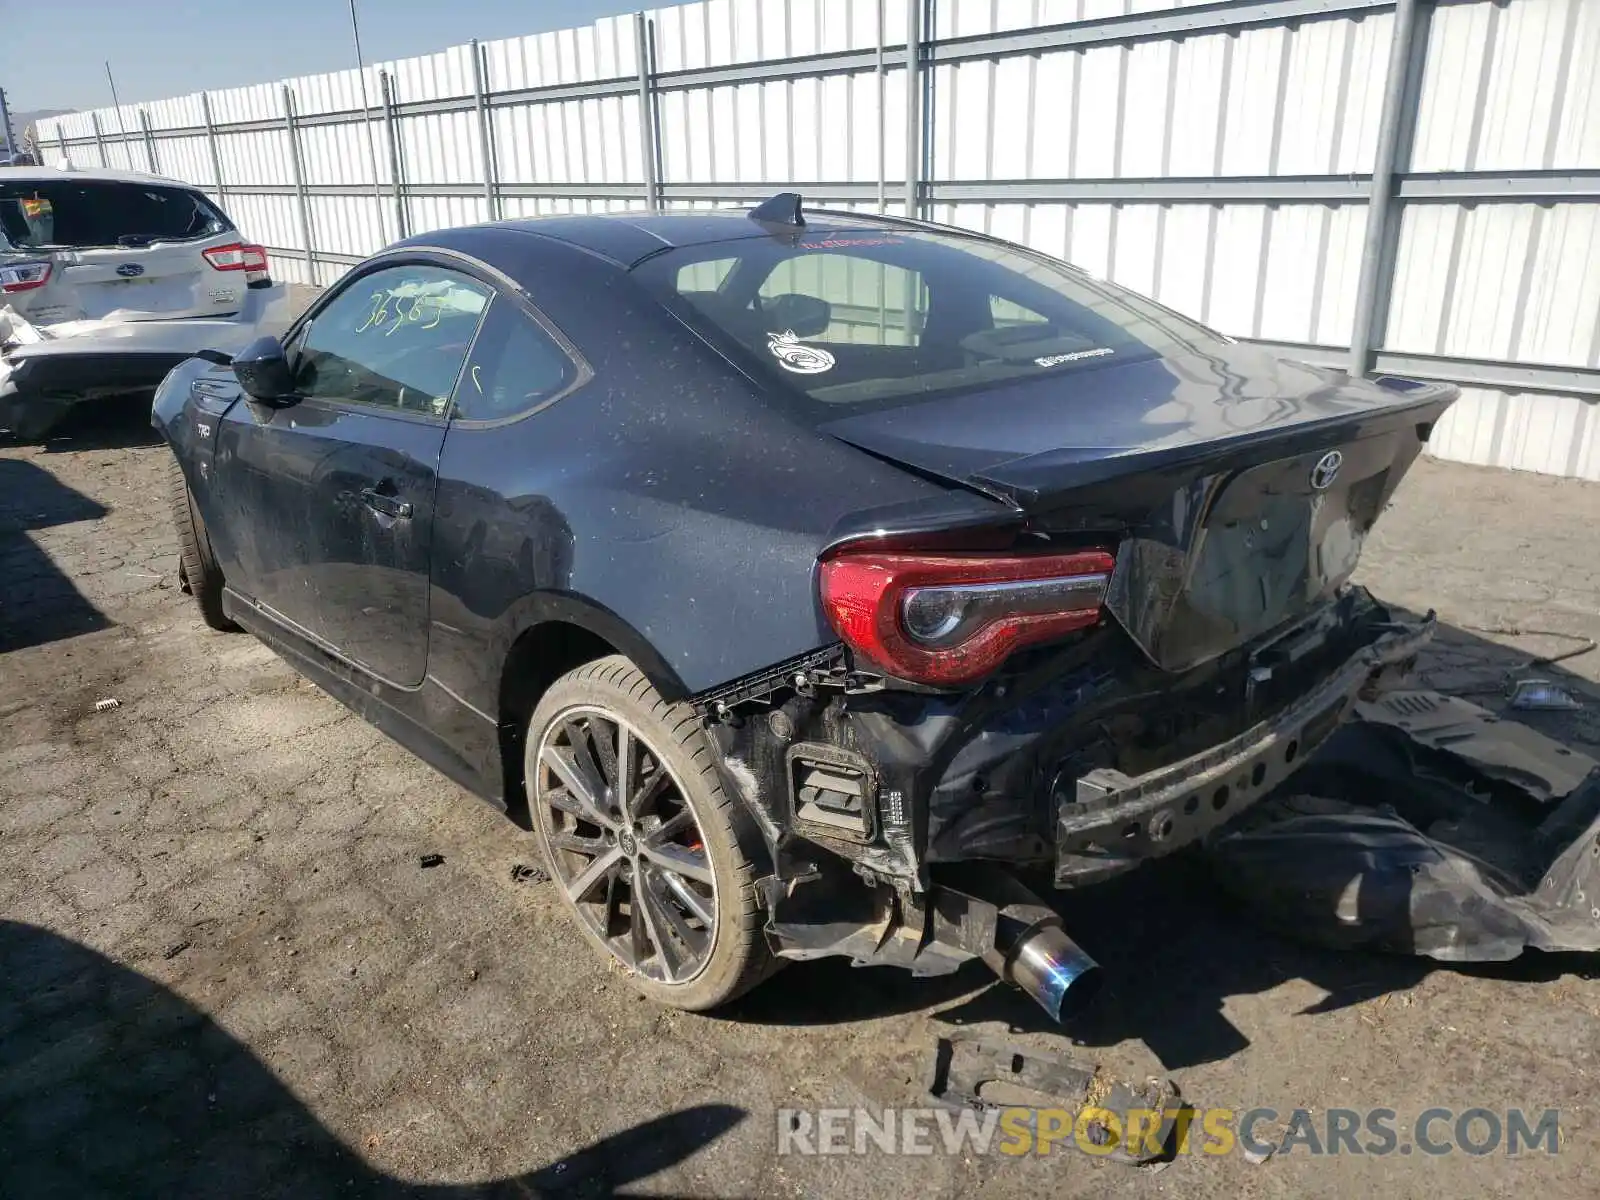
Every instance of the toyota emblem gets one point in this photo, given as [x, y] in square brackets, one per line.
[130, 270]
[1326, 470]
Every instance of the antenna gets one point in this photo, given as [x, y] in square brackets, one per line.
[366, 112]
[115, 103]
[782, 209]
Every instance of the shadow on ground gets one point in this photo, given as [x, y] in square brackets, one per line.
[109, 423]
[114, 423]
[112, 1085]
[38, 602]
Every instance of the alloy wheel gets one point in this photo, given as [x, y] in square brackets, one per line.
[625, 845]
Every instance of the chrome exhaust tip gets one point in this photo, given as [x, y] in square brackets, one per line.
[1019, 937]
[1054, 970]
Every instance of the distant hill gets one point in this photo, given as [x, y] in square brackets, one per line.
[23, 122]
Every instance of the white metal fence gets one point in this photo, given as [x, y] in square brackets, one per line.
[1407, 185]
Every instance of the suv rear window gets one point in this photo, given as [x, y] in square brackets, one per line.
[89, 212]
[873, 317]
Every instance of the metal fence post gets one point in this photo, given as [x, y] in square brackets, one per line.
[649, 125]
[5, 121]
[914, 135]
[99, 139]
[391, 134]
[211, 145]
[61, 140]
[1396, 129]
[298, 170]
[480, 97]
[1404, 144]
[149, 143]
[882, 79]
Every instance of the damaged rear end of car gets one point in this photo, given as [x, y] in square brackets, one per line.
[903, 787]
[1156, 628]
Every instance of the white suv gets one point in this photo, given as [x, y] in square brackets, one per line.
[108, 279]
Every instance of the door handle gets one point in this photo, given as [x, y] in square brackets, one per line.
[387, 506]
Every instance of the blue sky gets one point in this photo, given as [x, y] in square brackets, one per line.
[53, 53]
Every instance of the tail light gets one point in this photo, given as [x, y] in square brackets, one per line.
[953, 618]
[23, 277]
[241, 256]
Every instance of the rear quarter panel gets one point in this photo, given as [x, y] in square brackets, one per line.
[666, 498]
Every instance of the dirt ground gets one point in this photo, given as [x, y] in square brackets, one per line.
[223, 971]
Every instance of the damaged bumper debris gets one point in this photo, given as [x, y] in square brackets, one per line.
[1088, 1106]
[46, 370]
[1429, 827]
[896, 818]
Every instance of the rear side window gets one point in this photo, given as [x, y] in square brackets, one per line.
[876, 317]
[394, 339]
[88, 213]
[514, 366]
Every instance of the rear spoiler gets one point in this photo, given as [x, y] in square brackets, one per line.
[1033, 479]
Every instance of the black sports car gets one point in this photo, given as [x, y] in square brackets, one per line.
[801, 578]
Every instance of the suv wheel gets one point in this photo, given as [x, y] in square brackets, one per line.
[640, 839]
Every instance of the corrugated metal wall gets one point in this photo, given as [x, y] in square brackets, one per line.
[1510, 86]
[1217, 156]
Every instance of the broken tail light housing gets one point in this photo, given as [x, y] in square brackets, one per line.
[23, 276]
[947, 619]
[241, 256]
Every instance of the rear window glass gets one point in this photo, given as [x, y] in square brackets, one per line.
[868, 318]
[104, 213]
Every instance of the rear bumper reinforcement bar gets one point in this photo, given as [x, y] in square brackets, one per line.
[1118, 819]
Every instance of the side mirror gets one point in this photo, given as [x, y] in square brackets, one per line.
[263, 372]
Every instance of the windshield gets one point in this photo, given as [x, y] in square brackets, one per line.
[871, 317]
[86, 213]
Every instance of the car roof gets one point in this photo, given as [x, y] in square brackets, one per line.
[629, 237]
[91, 174]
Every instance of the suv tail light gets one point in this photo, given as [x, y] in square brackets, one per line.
[953, 618]
[241, 256]
[23, 277]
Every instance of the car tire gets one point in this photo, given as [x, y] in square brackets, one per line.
[583, 707]
[196, 562]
